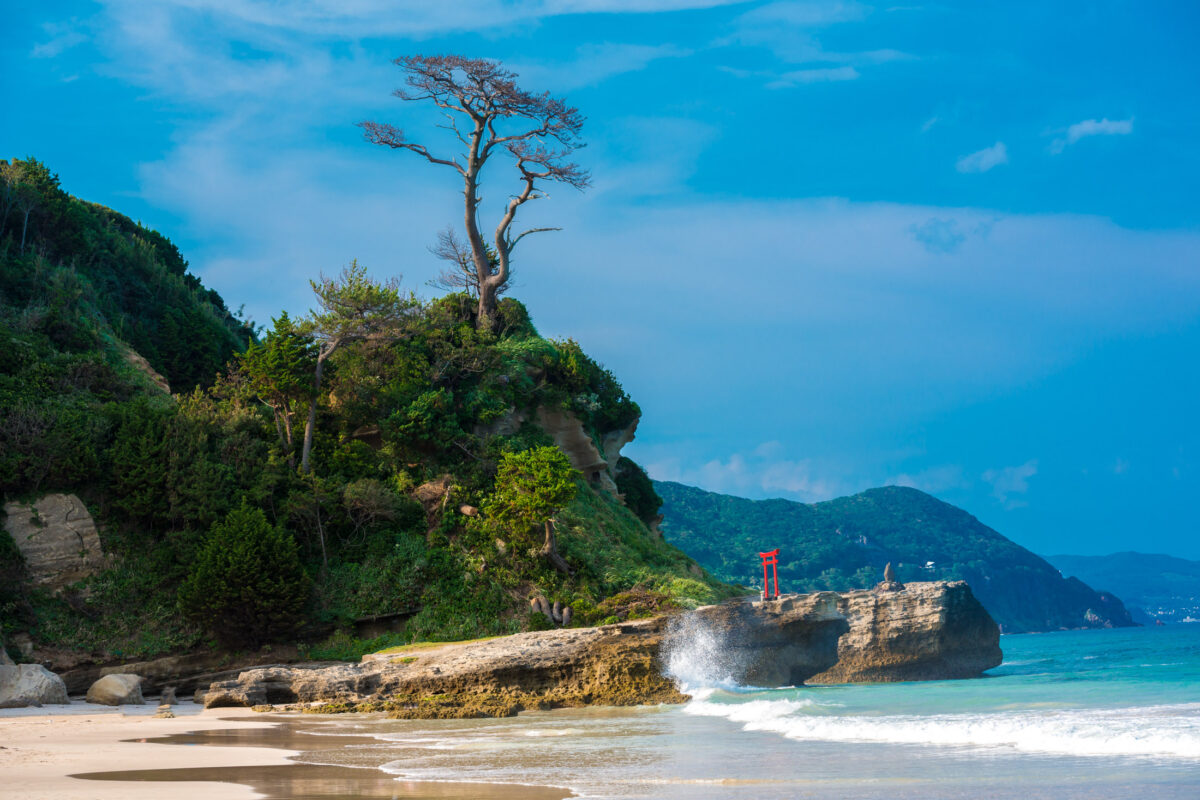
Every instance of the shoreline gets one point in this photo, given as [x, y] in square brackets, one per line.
[87, 752]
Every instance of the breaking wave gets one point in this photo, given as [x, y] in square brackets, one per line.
[1161, 731]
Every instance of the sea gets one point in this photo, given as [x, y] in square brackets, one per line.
[1072, 714]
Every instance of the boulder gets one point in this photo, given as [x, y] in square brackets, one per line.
[57, 537]
[117, 690]
[5, 660]
[30, 685]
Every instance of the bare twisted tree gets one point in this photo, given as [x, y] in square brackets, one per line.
[488, 114]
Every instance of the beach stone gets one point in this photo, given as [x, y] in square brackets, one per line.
[30, 685]
[57, 537]
[168, 696]
[5, 661]
[117, 690]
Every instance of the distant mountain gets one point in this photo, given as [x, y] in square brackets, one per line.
[1154, 586]
[845, 543]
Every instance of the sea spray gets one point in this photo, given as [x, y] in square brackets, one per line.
[697, 654]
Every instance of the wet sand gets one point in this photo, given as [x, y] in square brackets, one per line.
[203, 755]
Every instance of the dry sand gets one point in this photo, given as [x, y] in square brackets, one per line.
[39, 751]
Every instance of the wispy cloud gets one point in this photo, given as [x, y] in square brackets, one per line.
[1009, 481]
[933, 479]
[800, 77]
[593, 64]
[939, 235]
[758, 473]
[1092, 127]
[983, 160]
[788, 29]
[63, 36]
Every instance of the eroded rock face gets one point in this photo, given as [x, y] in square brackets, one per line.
[610, 665]
[596, 464]
[917, 631]
[924, 631]
[30, 685]
[57, 537]
[920, 632]
[117, 690]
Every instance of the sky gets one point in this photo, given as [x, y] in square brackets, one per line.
[828, 245]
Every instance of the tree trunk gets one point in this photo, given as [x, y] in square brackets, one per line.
[550, 550]
[24, 227]
[486, 316]
[287, 425]
[312, 413]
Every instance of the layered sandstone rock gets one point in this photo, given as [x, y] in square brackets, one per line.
[610, 665]
[596, 463]
[922, 631]
[57, 537]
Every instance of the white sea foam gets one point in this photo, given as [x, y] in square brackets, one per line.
[1163, 731]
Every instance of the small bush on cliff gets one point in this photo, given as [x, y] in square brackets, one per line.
[248, 586]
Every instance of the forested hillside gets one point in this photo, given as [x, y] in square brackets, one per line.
[845, 543]
[382, 458]
[1155, 586]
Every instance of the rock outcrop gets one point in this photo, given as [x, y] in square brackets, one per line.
[917, 631]
[597, 463]
[610, 665]
[924, 631]
[117, 690]
[57, 538]
[30, 685]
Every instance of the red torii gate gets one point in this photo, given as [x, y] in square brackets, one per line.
[770, 559]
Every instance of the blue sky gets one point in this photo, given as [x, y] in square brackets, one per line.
[829, 245]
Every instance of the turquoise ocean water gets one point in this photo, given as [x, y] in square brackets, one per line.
[1078, 714]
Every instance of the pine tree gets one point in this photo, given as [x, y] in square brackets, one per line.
[248, 586]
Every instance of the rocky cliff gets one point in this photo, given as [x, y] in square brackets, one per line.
[921, 631]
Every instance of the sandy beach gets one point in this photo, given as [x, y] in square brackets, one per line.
[91, 752]
[41, 748]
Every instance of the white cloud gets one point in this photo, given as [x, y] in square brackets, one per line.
[1092, 127]
[932, 479]
[756, 474]
[805, 13]
[983, 160]
[1010, 481]
[63, 36]
[800, 77]
[594, 63]
[373, 18]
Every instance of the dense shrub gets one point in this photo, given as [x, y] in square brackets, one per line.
[247, 587]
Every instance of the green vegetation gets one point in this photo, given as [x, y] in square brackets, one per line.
[408, 413]
[845, 543]
[247, 586]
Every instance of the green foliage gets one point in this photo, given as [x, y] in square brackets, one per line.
[531, 487]
[247, 587]
[409, 392]
[638, 490]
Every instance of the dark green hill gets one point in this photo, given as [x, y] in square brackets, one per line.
[1154, 586]
[845, 543]
[94, 310]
